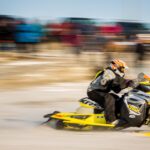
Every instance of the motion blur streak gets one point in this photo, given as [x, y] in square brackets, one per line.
[46, 65]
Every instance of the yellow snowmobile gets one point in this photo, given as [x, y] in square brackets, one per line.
[133, 107]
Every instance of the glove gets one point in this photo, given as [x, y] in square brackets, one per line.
[132, 83]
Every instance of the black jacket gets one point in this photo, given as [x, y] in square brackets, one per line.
[108, 80]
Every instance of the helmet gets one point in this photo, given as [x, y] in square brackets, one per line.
[118, 66]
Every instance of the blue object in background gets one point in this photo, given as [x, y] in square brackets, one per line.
[28, 33]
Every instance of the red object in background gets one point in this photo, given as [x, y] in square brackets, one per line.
[57, 29]
[111, 29]
[54, 28]
[73, 39]
[66, 25]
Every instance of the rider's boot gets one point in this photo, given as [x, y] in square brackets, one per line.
[119, 123]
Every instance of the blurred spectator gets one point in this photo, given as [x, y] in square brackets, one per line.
[27, 36]
[6, 31]
[53, 32]
[76, 42]
[140, 52]
[72, 37]
[101, 41]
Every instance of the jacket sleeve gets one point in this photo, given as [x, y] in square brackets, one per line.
[119, 84]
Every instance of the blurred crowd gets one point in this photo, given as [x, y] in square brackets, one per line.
[80, 34]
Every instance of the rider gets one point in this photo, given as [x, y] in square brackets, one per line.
[105, 83]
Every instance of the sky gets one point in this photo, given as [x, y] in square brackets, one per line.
[98, 9]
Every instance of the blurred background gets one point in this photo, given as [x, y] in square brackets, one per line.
[75, 38]
[50, 51]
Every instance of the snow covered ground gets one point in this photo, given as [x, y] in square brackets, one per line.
[21, 115]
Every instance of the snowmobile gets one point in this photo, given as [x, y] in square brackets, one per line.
[132, 107]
